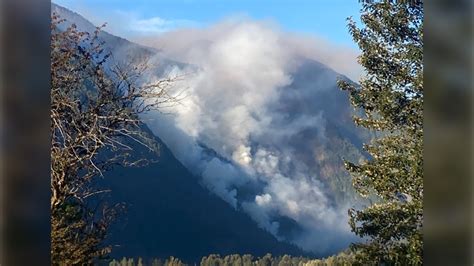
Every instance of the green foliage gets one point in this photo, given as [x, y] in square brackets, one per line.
[247, 260]
[171, 261]
[390, 97]
[269, 260]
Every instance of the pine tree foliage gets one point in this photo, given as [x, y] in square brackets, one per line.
[390, 97]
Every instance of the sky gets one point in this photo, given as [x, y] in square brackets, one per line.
[323, 18]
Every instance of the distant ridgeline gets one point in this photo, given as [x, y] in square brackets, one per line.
[242, 260]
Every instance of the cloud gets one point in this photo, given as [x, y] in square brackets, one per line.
[187, 44]
[132, 24]
[138, 26]
[231, 130]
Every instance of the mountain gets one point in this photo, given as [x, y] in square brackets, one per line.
[168, 212]
[171, 211]
[313, 90]
[122, 49]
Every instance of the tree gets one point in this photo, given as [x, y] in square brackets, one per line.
[390, 97]
[285, 261]
[247, 259]
[95, 126]
[172, 261]
[156, 262]
[265, 260]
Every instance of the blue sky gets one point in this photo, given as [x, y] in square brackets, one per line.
[324, 18]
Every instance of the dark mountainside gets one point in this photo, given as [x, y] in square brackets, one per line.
[169, 213]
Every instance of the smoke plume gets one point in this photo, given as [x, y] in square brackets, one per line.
[232, 129]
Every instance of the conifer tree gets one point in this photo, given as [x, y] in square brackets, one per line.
[157, 262]
[390, 97]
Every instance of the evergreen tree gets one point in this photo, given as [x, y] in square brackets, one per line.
[172, 261]
[285, 261]
[265, 260]
[247, 259]
[390, 97]
[157, 262]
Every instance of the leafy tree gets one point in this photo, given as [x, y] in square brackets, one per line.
[390, 97]
[94, 126]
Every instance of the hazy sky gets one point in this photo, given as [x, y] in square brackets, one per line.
[324, 18]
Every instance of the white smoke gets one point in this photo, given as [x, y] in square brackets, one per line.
[192, 44]
[237, 72]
